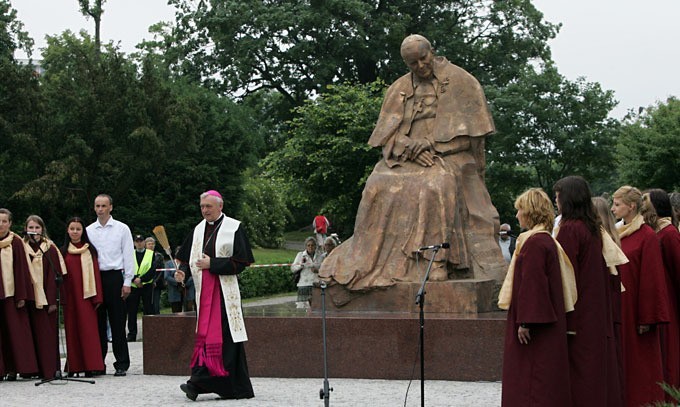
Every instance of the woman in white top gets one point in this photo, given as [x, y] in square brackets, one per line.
[307, 263]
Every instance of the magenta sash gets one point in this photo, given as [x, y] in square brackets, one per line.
[208, 345]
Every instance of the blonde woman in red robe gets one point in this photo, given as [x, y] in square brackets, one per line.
[658, 213]
[82, 296]
[47, 266]
[644, 303]
[538, 291]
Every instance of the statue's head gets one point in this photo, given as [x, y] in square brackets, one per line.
[417, 53]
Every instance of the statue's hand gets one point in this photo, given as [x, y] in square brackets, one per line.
[416, 147]
[425, 158]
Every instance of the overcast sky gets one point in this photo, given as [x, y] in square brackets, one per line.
[628, 46]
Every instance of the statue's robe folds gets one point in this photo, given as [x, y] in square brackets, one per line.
[405, 206]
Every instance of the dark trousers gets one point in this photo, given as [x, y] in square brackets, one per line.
[157, 300]
[132, 303]
[113, 308]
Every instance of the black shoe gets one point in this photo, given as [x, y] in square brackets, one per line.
[120, 372]
[189, 390]
[89, 374]
[11, 377]
[132, 338]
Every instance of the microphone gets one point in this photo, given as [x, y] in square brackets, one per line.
[436, 247]
[32, 234]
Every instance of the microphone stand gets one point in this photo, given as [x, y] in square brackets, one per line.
[58, 279]
[324, 393]
[420, 300]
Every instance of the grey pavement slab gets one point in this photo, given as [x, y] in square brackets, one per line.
[137, 389]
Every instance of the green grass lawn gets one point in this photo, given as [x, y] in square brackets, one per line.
[297, 236]
[273, 256]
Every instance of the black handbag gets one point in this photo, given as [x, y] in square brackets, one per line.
[296, 276]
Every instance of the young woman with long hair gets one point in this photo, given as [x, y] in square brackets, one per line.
[644, 303]
[594, 365]
[47, 267]
[657, 207]
[82, 296]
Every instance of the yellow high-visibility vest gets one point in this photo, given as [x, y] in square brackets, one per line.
[141, 269]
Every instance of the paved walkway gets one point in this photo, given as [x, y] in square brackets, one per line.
[137, 389]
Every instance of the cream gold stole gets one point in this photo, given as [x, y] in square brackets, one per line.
[632, 227]
[566, 272]
[224, 245]
[87, 267]
[37, 275]
[612, 253]
[661, 223]
[7, 263]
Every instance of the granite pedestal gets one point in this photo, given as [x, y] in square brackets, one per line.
[465, 296]
[369, 345]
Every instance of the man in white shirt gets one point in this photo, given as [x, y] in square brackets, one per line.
[114, 245]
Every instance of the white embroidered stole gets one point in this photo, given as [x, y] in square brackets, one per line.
[224, 245]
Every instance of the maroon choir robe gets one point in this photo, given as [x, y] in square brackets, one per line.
[594, 365]
[83, 348]
[536, 374]
[645, 302]
[44, 323]
[18, 352]
[670, 334]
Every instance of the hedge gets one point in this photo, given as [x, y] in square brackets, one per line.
[265, 281]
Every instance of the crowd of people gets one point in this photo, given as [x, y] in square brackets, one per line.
[592, 303]
[98, 275]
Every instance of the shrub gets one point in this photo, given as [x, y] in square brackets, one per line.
[263, 281]
[264, 212]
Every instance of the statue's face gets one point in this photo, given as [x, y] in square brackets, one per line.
[418, 57]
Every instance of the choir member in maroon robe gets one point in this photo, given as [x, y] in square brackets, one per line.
[46, 266]
[594, 364]
[82, 296]
[539, 289]
[659, 215]
[644, 304]
[609, 225]
[16, 292]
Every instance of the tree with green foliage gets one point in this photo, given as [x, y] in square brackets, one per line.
[547, 127]
[91, 118]
[326, 159]
[648, 150]
[264, 211]
[20, 106]
[298, 47]
[94, 10]
[130, 129]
